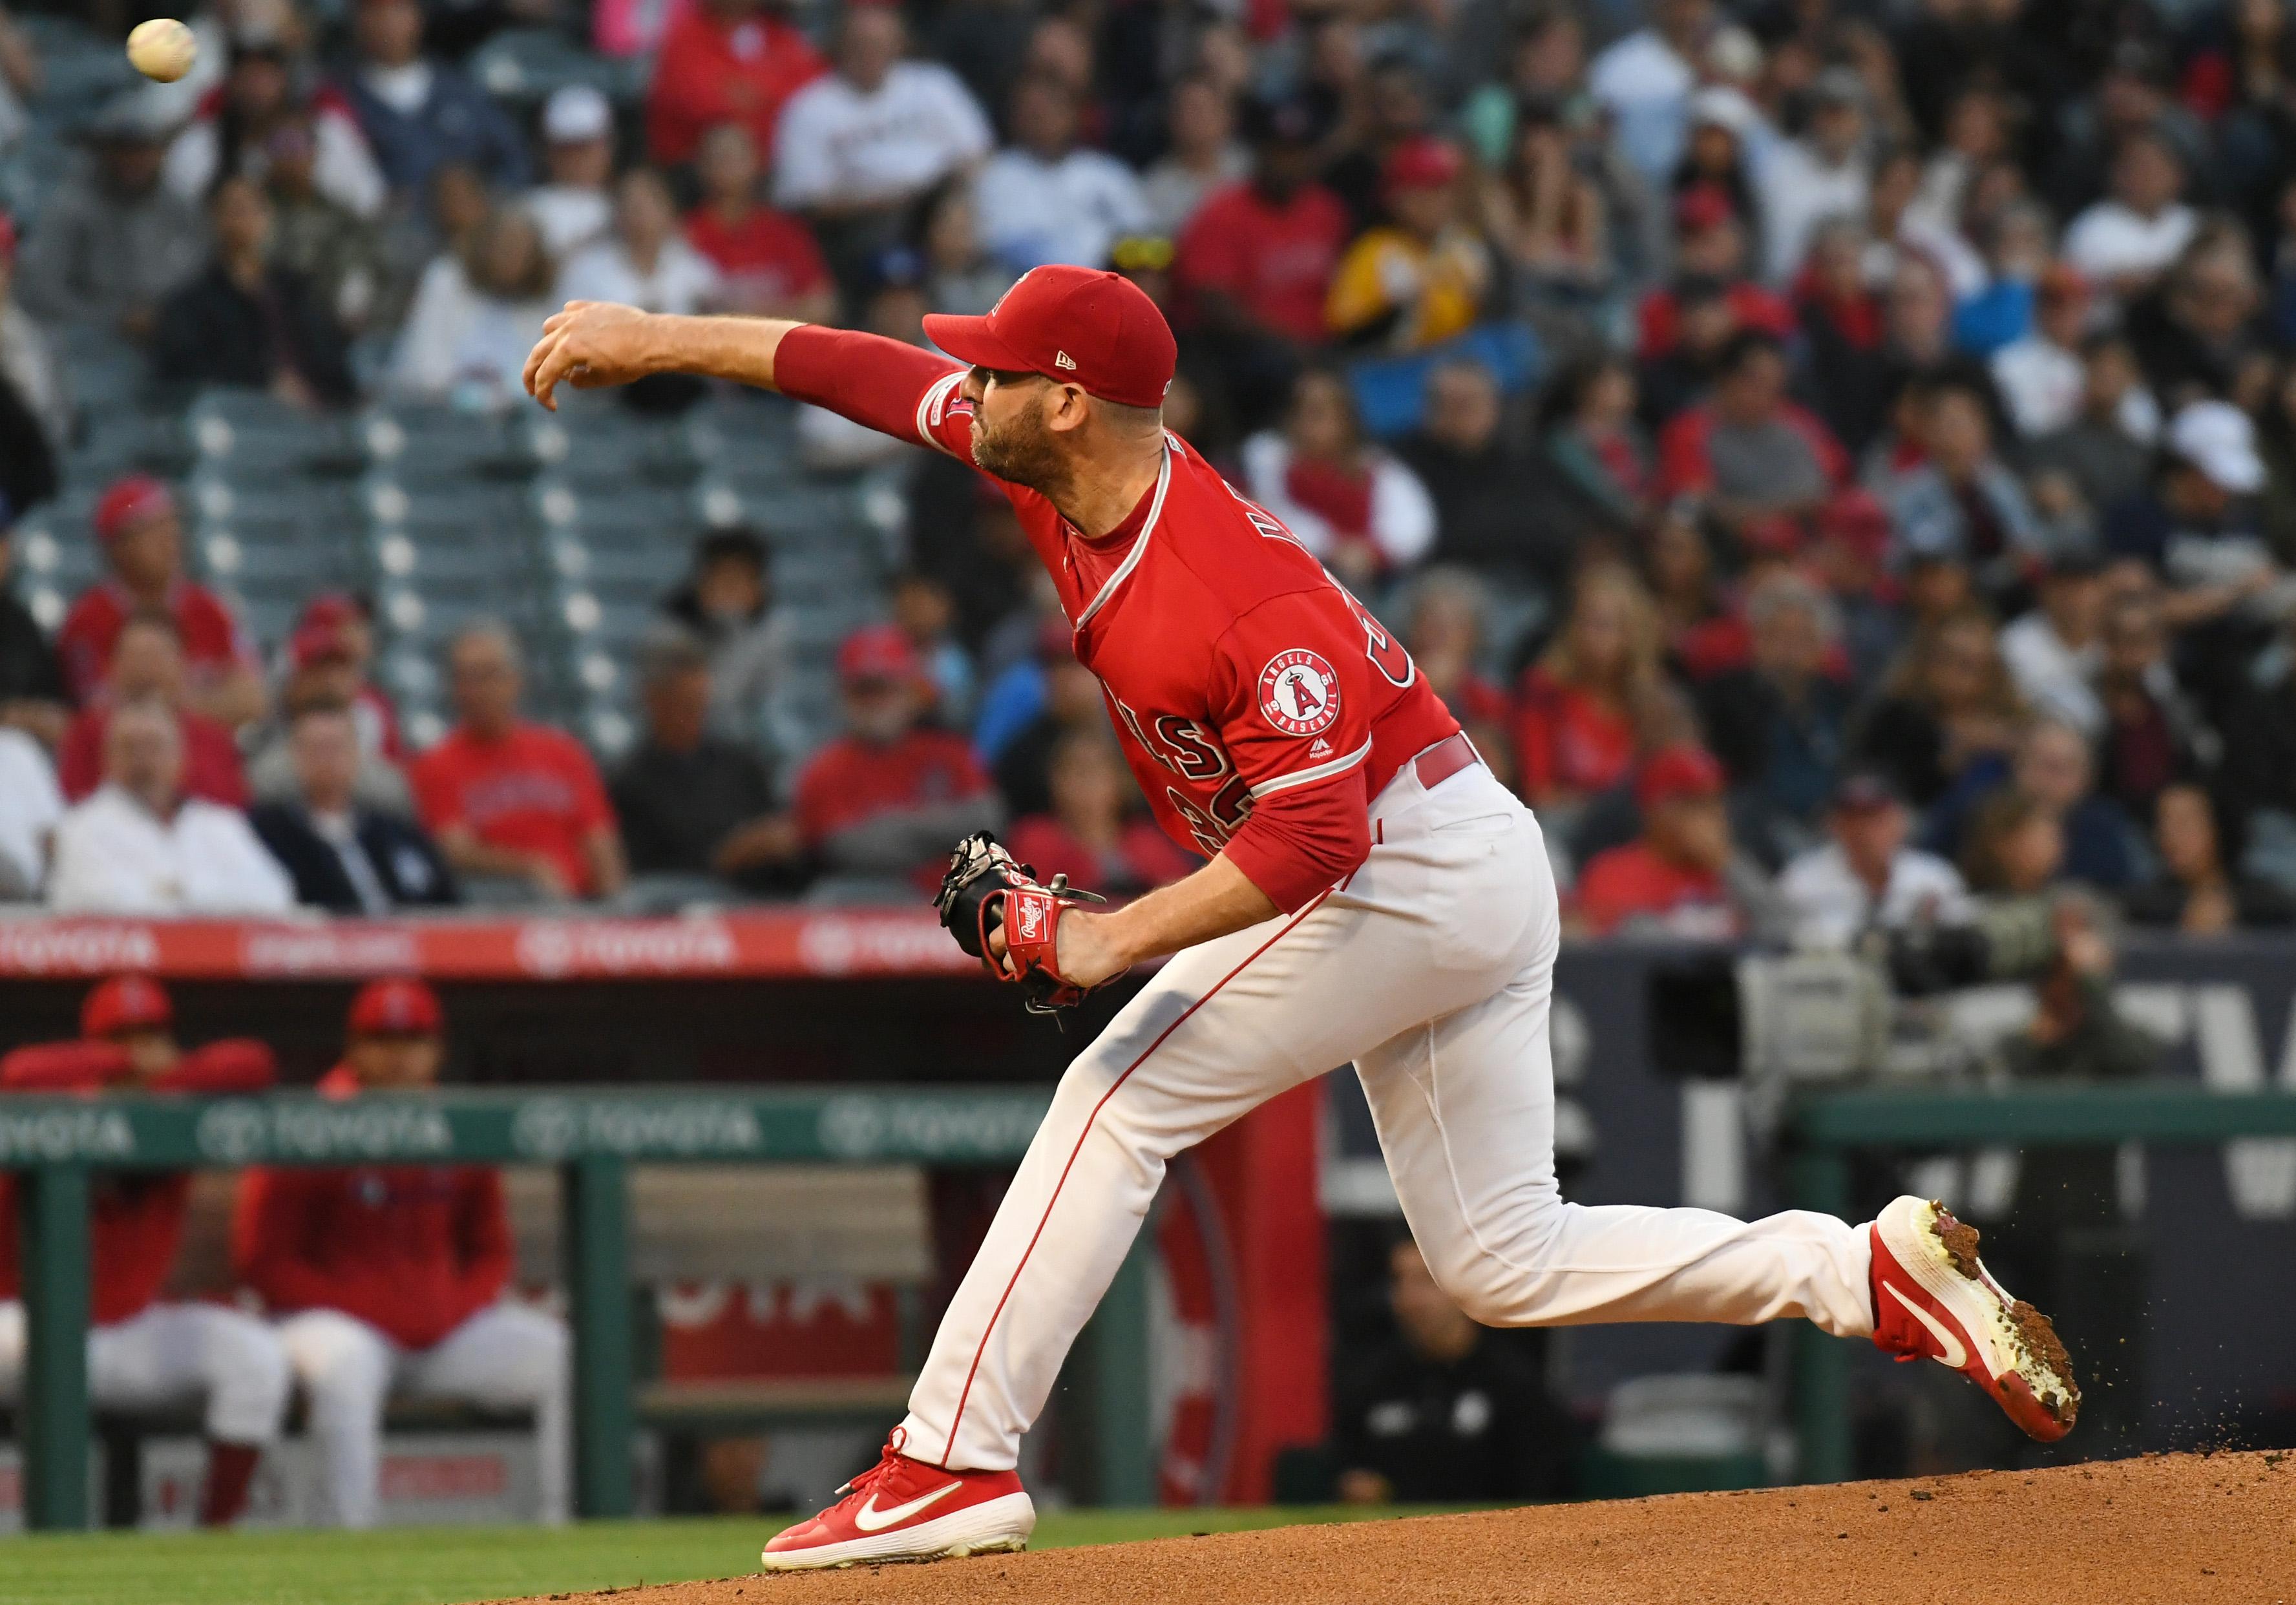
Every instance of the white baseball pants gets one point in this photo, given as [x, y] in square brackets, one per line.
[508, 1357]
[1432, 968]
[169, 1353]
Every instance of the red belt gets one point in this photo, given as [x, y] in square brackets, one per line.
[1445, 759]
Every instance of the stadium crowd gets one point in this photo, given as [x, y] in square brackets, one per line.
[1839, 456]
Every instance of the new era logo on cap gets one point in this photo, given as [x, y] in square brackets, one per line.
[1097, 330]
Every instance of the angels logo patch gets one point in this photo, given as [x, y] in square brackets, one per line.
[1299, 693]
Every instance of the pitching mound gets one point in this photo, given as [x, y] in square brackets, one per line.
[2172, 1528]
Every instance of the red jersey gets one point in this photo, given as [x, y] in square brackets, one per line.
[211, 766]
[850, 781]
[213, 643]
[1259, 705]
[1566, 739]
[1630, 880]
[412, 1250]
[534, 790]
[708, 73]
[1275, 260]
[766, 259]
[135, 1216]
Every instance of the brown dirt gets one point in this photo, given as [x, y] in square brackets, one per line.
[1960, 1241]
[2217, 1529]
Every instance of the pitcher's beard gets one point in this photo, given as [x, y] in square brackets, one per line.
[1021, 453]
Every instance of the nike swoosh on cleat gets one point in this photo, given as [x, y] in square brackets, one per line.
[869, 1519]
[1955, 1355]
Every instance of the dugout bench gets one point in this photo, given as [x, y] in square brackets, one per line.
[1825, 1127]
[593, 1139]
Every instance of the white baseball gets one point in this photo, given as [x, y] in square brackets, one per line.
[162, 48]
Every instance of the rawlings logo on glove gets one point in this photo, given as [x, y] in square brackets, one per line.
[986, 890]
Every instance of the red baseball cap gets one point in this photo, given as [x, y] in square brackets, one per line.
[330, 608]
[398, 1005]
[1075, 325]
[1700, 208]
[877, 651]
[129, 502]
[125, 1002]
[1674, 771]
[1423, 162]
[318, 642]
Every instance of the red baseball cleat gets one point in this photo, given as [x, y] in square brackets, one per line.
[905, 1509]
[1933, 1299]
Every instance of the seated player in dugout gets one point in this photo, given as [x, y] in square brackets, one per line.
[145, 1352]
[1374, 896]
[389, 1278]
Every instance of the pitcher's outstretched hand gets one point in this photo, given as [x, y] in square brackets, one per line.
[589, 345]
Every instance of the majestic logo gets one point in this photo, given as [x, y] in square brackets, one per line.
[1299, 692]
[1061, 359]
[1955, 1355]
[869, 1519]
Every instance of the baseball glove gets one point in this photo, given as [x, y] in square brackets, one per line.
[987, 889]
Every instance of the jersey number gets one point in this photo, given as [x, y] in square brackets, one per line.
[1180, 744]
[1386, 653]
[1215, 823]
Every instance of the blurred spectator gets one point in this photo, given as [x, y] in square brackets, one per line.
[474, 317]
[1717, 165]
[727, 605]
[1041, 199]
[1205, 155]
[2017, 254]
[926, 613]
[1777, 724]
[19, 78]
[246, 323]
[2199, 890]
[1446, 641]
[1948, 702]
[332, 623]
[342, 857]
[2017, 845]
[2196, 334]
[142, 1350]
[232, 133]
[644, 262]
[725, 60]
[2152, 734]
[1671, 880]
[1070, 702]
[30, 805]
[1255, 262]
[691, 803]
[1500, 509]
[388, 1277]
[515, 802]
[1858, 388]
[1444, 1409]
[140, 846]
[1712, 263]
[861, 146]
[1867, 877]
[1426, 273]
[32, 695]
[342, 254]
[1962, 500]
[1545, 216]
[147, 662]
[961, 277]
[2053, 768]
[2054, 652]
[1088, 830]
[1824, 173]
[1644, 82]
[574, 204]
[30, 370]
[1576, 712]
[2104, 442]
[885, 802]
[142, 534]
[1589, 425]
[767, 263]
[324, 663]
[112, 240]
[1749, 451]
[2127, 239]
[2041, 376]
[1357, 508]
[417, 112]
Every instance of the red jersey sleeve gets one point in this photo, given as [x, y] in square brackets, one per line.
[1294, 713]
[592, 810]
[881, 384]
[437, 795]
[64, 1067]
[236, 1064]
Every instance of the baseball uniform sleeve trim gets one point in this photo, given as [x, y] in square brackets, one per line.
[1308, 777]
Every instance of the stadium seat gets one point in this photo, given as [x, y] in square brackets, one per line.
[244, 435]
[436, 445]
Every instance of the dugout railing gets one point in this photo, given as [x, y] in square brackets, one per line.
[54, 1147]
[1826, 1129]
